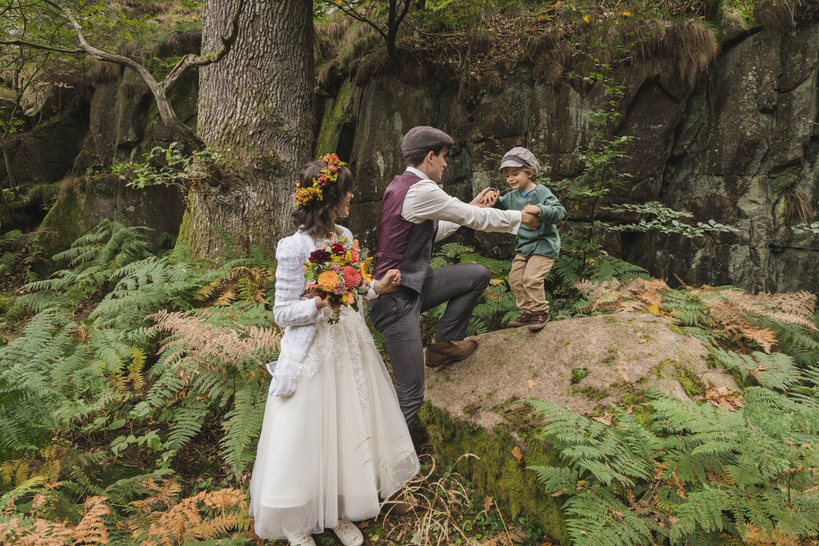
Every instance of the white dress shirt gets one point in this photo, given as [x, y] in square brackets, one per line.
[425, 200]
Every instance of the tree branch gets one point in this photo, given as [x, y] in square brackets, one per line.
[403, 13]
[35, 45]
[157, 89]
[350, 10]
[215, 56]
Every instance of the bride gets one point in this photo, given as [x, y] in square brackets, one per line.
[333, 438]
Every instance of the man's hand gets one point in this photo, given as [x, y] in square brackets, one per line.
[486, 198]
[388, 283]
[530, 220]
[532, 209]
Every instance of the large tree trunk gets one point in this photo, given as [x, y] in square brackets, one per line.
[255, 110]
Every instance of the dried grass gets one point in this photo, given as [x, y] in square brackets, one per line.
[433, 502]
[798, 207]
[102, 72]
[179, 43]
[693, 46]
[777, 15]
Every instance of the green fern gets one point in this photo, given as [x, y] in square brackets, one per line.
[694, 474]
[775, 371]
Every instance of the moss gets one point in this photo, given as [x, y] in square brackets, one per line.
[496, 471]
[6, 301]
[334, 116]
[589, 392]
[187, 235]
[578, 374]
[65, 221]
[691, 383]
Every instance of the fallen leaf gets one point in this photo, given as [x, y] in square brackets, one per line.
[518, 454]
[605, 419]
[724, 397]
[531, 384]
[586, 19]
[487, 503]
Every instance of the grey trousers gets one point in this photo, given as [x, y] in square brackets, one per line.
[397, 315]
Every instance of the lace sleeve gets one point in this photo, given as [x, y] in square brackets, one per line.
[289, 309]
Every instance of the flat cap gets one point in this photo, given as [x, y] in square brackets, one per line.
[519, 157]
[424, 138]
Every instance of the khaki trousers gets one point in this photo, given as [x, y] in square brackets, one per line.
[526, 280]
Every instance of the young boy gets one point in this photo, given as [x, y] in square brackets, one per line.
[537, 249]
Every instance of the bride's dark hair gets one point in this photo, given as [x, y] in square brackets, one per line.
[317, 217]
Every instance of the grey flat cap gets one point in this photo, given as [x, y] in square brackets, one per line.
[519, 157]
[424, 138]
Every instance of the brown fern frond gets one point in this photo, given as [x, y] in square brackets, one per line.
[793, 308]
[40, 533]
[241, 281]
[729, 317]
[206, 515]
[211, 346]
[163, 494]
[91, 529]
[629, 295]
[601, 294]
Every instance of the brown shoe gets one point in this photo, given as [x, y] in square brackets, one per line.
[524, 319]
[538, 321]
[442, 353]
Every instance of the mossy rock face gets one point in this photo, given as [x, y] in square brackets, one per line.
[495, 468]
[475, 406]
[82, 203]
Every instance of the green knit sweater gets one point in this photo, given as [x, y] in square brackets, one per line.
[546, 240]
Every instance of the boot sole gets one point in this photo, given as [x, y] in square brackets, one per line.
[537, 327]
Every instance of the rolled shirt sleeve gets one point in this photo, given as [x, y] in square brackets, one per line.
[426, 201]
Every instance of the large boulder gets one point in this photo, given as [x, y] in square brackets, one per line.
[476, 406]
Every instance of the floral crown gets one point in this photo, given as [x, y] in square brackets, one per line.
[306, 194]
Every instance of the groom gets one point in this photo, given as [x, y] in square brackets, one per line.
[416, 213]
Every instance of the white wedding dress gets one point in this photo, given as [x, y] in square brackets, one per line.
[337, 443]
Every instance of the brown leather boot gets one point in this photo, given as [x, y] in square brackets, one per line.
[538, 321]
[522, 320]
[441, 353]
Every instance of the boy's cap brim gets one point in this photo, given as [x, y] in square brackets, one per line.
[513, 162]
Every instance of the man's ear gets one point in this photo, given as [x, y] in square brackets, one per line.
[429, 156]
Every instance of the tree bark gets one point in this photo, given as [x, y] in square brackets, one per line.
[256, 112]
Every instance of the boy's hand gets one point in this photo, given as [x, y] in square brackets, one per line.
[532, 209]
[530, 220]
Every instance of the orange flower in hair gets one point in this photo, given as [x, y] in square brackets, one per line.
[306, 194]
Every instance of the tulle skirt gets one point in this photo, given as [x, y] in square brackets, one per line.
[336, 445]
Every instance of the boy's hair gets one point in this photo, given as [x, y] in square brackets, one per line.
[317, 216]
[416, 159]
[528, 170]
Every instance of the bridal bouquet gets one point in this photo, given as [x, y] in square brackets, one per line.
[337, 272]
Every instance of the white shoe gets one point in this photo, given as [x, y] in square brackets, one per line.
[348, 533]
[301, 539]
